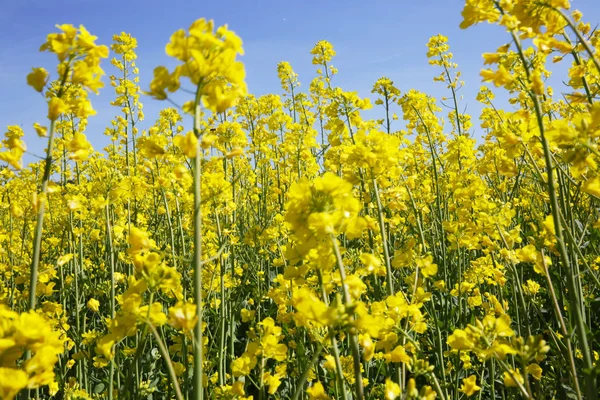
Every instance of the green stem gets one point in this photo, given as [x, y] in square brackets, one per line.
[302, 380]
[39, 226]
[111, 261]
[198, 366]
[358, 384]
[507, 368]
[386, 251]
[168, 362]
[591, 392]
[563, 327]
[334, 346]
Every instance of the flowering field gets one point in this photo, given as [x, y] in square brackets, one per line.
[287, 247]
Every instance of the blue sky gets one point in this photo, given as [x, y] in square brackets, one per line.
[372, 39]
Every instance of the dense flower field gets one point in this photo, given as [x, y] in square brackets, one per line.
[285, 246]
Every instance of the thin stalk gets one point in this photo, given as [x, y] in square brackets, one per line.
[302, 380]
[358, 384]
[386, 251]
[578, 317]
[198, 367]
[507, 368]
[39, 226]
[334, 346]
[223, 316]
[111, 261]
[563, 328]
[169, 364]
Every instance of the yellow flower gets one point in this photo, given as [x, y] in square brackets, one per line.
[236, 152]
[460, 340]
[273, 381]
[150, 147]
[183, 316]
[42, 131]
[368, 346]
[469, 386]
[537, 84]
[56, 107]
[53, 388]
[372, 263]
[329, 363]
[79, 147]
[37, 78]
[93, 305]
[426, 266]
[163, 80]
[208, 140]
[398, 355]
[491, 58]
[392, 389]
[247, 315]
[14, 145]
[498, 326]
[11, 382]
[322, 207]
[153, 314]
[535, 370]
[323, 52]
[511, 378]
[243, 365]
[500, 78]
[238, 388]
[476, 11]
[209, 62]
[528, 254]
[592, 186]
[138, 240]
[317, 392]
[27, 332]
[188, 144]
[531, 288]
[310, 310]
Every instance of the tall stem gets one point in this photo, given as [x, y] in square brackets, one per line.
[198, 367]
[358, 384]
[111, 261]
[168, 363]
[39, 226]
[386, 252]
[579, 321]
[334, 346]
[563, 328]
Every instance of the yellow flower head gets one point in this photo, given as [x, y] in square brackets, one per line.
[209, 62]
[323, 207]
[93, 305]
[469, 386]
[38, 78]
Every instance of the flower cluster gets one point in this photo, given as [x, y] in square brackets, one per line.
[295, 245]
